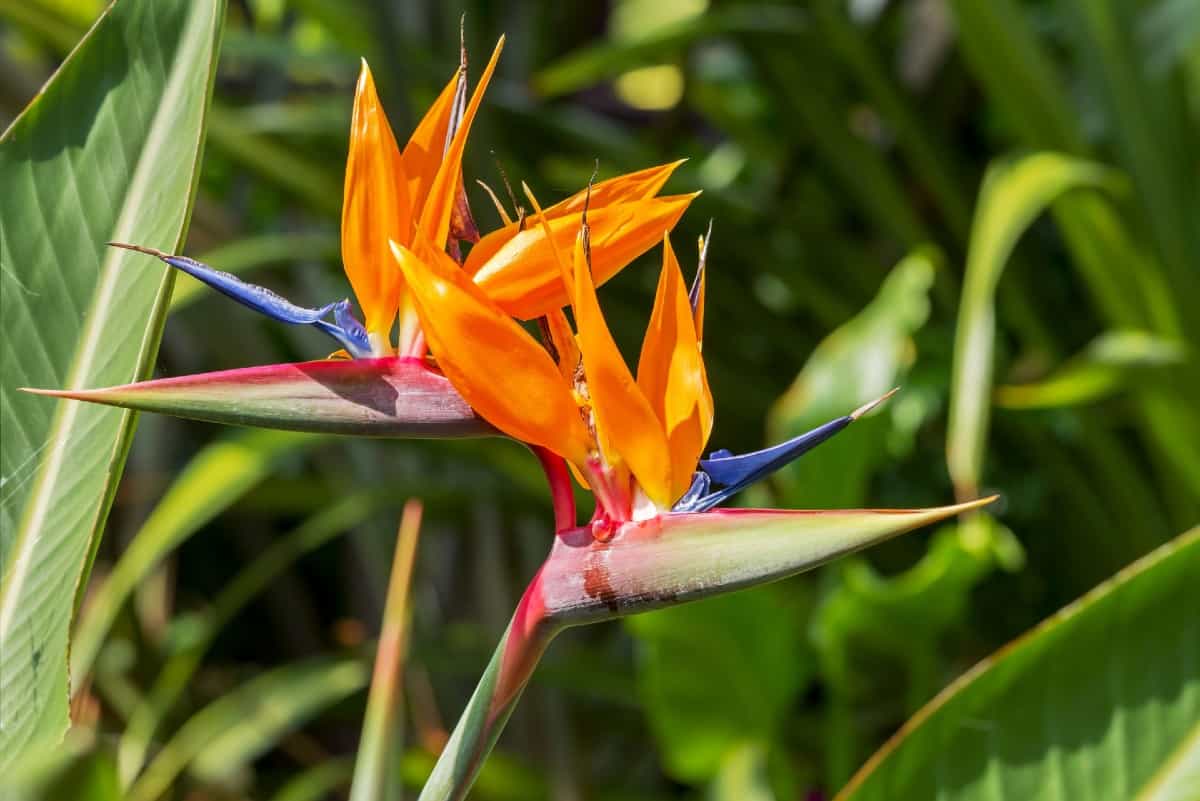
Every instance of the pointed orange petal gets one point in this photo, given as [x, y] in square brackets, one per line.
[623, 415]
[374, 208]
[494, 364]
[634, 186]
[434, 222]
[423, 154]
[522, 276]
[625, 188]
[671, 372]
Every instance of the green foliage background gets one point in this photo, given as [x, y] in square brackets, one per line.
[842, 148]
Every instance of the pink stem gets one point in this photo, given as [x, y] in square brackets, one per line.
[561, 494]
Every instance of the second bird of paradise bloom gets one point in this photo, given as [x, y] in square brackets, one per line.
[400, 195]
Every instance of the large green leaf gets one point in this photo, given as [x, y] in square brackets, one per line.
[1101, 701]
[109, 150]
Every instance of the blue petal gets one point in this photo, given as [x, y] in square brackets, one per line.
[729, 470]
[261, 299]
[734, 473]
[347, 330]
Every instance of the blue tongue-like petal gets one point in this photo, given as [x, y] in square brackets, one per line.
[348, 331]
[729, 470]
[733, 473]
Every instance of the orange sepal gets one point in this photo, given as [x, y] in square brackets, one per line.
[624, 417]
[375, 208]
[671, 373]
[494, 364]
[522, 276]
[423, 154]
[625, 188]
[434, 223]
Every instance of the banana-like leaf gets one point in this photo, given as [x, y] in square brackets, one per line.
[1013, 194]
[109, 149]
[388, 397]
[1101, 701]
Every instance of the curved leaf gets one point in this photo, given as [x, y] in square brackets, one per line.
[1013, 194]
[109, 150]
[1101, 701]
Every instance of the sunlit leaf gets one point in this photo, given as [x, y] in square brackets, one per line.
[109, 150]
[1100, 701]
[1013, 194]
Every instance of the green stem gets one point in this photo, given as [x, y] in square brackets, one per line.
[493, 701]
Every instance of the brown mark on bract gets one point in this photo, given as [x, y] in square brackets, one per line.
[597, 582]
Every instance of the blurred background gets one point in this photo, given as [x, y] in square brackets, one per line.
[841, 146]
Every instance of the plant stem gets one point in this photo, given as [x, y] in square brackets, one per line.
[495, 697]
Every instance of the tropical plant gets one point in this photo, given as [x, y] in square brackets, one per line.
[1011, 159]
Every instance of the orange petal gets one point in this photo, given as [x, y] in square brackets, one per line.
[631, 186]
[624, 417]
[374, 208]
[634, 186]
[671, 372]
[494, 364]
[423, 154]
[434, 223]
[522, 276]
